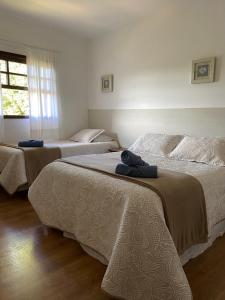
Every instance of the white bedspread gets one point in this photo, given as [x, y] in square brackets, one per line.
[12, 164]
[124, 223]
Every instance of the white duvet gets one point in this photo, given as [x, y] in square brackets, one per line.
[124, 223]
[12, 164]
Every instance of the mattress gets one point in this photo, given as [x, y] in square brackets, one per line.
[12, 164]
[122, 224]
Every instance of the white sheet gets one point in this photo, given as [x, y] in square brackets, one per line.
[12, 165]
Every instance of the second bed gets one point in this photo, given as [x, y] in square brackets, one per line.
[12, 162]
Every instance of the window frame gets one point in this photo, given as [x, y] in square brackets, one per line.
[19, 58]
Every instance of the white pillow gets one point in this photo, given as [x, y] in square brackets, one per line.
[157, 144]
[86, 135]
[103, 138]
[201, 149]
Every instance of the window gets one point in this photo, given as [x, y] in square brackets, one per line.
[14, 83]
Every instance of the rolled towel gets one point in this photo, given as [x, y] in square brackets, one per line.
[140, 171]
[131, 159]
[31, 143]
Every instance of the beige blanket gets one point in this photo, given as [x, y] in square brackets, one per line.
[36, 159]
[124, 222]
[181, 194]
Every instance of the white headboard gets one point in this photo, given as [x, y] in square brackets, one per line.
[128, 124]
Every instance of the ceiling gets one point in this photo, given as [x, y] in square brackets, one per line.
[88, 17]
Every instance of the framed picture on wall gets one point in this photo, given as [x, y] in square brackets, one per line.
[203, 70]
[107, 83]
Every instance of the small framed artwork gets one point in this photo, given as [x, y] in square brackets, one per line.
[107, 83]
[203, 70]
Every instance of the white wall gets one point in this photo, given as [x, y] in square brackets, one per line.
[71, 68]
[151, 60]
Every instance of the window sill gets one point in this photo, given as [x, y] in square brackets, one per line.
[15, 117]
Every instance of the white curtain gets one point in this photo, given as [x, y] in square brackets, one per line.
[43, 95]
[2, 131]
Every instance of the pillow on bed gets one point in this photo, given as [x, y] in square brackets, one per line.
[103, 138]
[157, 144]
[201, 149]
[86, 135]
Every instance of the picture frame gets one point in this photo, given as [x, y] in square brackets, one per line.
[107, 83]
[203, 70]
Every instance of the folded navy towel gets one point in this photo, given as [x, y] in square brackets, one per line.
[31, 143]
[131, 159]
[139, 171]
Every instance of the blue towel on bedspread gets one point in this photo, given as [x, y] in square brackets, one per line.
[131, 159]
[134, 166]
[139, 171]
[31, 143]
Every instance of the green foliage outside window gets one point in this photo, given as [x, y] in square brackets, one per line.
[13, 70]
[15, 102]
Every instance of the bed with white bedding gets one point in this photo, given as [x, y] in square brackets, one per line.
[122, 223]
[12, 163]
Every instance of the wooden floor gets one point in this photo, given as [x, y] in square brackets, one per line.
[34, 266]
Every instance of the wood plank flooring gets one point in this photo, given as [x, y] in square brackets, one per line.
[34, 266]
